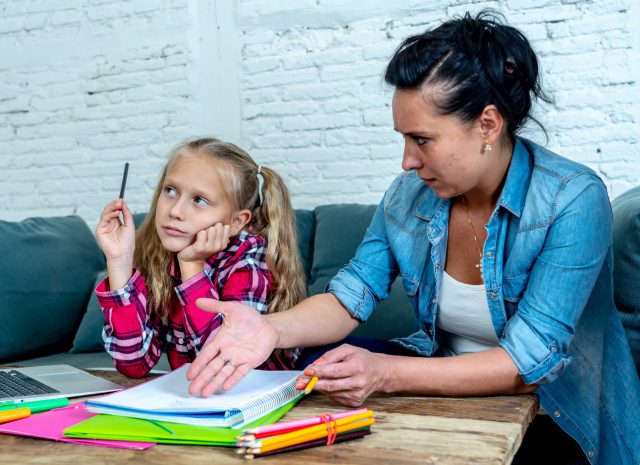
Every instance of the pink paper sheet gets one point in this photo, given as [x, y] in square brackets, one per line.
[51, 424]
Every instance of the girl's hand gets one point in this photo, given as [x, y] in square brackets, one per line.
[244, 341]
[117, 240]
[347, 374]
[206, 243]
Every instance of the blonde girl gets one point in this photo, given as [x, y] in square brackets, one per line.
[219, 226]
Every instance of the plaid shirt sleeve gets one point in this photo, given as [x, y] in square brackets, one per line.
[241, 276]
[198, 324]
[129, 336]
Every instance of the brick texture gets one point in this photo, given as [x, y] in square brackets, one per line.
[86, 86]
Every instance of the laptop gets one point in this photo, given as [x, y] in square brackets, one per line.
[49, 382]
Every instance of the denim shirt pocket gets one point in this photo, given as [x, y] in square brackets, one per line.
[512, 290]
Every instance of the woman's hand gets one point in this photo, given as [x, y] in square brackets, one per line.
[244, 341]
[206, 243]
[347, 374]
[117, 240]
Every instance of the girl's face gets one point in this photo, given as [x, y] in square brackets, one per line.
[192, 199]
[445, 151]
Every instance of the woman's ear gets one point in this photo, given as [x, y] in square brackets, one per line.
[240, 220]
[491, 124]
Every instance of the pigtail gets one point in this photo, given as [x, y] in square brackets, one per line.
[273, 218]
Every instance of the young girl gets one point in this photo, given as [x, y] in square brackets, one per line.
[219, 226]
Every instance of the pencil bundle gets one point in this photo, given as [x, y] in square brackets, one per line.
[301, 434]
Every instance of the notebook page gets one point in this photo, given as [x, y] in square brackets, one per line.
[170, 393]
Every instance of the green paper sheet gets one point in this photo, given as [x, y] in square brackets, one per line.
[134, 429]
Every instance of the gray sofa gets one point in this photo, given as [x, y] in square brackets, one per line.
[49, 268]
[49, 313]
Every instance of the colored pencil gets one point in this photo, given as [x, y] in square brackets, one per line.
[15, 414]
[286, 442]
[318, 442]
[37, 405]
[124, 180]
[287, 426]
[310, 385]
[322, 428]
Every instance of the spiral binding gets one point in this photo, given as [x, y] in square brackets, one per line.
[270, 401]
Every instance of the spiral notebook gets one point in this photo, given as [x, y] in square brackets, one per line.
[167, 398]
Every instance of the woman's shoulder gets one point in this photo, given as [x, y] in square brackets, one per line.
[407, 189]
[558, 182]
[409, 203]
[550, 165]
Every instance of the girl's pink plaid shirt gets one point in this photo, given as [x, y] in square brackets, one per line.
[136, 342]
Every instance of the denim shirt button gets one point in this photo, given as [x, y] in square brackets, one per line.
[492, 295]
[556, 414]
[489, 255]
[591, 453]
[434, 301]
[432, 230]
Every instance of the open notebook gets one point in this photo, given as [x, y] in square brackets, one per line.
[167, 398]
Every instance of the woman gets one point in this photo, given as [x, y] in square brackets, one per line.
[503, 247]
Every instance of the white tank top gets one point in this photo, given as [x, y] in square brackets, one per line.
[463, 317]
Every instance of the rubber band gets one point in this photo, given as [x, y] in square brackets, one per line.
[331, 428]
[260, 184]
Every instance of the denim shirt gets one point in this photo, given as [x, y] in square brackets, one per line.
[547, 269]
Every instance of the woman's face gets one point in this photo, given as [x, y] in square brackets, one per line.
[446, 152]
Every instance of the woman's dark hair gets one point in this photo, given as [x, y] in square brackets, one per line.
[474, 62]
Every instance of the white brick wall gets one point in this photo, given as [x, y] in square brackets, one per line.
[88, 85]
[314, 105]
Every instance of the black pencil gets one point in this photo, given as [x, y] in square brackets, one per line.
[315, 443]
[124, 180]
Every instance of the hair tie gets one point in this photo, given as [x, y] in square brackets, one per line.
[260, 183]
[510, 66]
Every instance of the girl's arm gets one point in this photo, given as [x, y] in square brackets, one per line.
[246, 280]
[129, 336]
[117, 241]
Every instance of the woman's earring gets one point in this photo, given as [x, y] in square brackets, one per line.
[487, 147]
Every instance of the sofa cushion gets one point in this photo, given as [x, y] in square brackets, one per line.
[305, 227]
[89, 335]
[626, 269]
[48, 268]
[339, 231]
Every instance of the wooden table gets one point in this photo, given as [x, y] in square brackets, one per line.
[408, 430]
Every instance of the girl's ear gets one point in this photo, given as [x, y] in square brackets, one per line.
[240, 220]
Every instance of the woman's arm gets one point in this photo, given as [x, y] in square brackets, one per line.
[318, 320]
[350, 374]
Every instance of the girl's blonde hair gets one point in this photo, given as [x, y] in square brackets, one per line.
[272, 218]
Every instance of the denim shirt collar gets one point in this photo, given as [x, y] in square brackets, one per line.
[514, 192]
[516, 186]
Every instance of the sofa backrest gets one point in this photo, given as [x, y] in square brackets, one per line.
[47, 270]
[339, 229]
[626, 268]
[328, 237]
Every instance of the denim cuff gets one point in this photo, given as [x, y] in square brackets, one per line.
[537, 362]
[356, 298]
